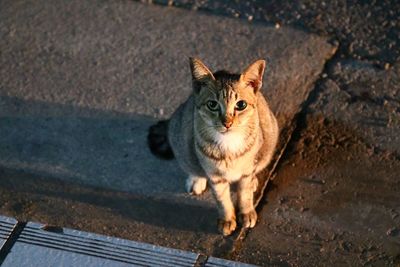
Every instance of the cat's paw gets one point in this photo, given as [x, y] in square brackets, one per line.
[249, 220]
[196, 185]
[226, 227]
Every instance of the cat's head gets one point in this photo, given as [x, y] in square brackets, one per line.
[226, 101]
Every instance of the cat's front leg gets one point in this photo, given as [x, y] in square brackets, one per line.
[226, 210]
[196, 184]
[248, 214]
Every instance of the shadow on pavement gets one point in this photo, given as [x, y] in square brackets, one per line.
[54, 158]
[27, 194]
[95, 147]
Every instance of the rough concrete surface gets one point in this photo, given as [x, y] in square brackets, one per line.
[89, 82]
[366, 30]
[334, 200]
[82, 81]
[358, 94]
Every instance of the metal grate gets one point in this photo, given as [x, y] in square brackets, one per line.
[6, 227]
[34, 244]
[216, 262]
[71, 246]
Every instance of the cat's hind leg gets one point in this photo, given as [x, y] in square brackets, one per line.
[196, 185]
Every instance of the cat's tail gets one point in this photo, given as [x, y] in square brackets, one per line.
[157, 139]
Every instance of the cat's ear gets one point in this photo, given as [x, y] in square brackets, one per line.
[200, 74]
[253, 75]
[199, 70]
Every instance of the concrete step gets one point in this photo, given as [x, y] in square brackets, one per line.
[43, 245]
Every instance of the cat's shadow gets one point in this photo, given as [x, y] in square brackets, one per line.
[95, 147]
[89, 147]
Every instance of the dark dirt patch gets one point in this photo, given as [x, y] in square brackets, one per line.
[334, 201]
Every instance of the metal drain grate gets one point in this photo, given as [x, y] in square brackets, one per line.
[38, 247]
[6, 227]
[217, 262]
[34, 244]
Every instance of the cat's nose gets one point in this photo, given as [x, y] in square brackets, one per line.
[227, 122]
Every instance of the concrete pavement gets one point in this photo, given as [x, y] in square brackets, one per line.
[89, 78]
[82, 81]
[335, 198]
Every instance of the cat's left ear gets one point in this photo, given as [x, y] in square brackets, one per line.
[253, 75]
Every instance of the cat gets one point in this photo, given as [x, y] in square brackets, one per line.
[224, 133]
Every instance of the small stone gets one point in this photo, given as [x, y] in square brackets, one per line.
[303, 209]
[387, 66]
[250, 18]
[392, 231]
[277, 25]
[345, 246]
[333, 237]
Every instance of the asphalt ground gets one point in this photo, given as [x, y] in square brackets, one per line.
[366, 30]
[334, 200]
[352, 113]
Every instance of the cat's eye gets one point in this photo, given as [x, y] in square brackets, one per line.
[212, 105]
[241, 105]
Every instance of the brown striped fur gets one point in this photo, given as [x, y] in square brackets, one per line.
[218, 143]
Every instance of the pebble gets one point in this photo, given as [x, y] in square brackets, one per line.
[392, 231]
[303, 209]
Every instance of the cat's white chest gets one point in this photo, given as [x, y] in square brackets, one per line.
[231, 141]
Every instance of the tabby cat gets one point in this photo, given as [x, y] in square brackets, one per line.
[224, 133]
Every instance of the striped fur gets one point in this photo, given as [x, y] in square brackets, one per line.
[220, 144]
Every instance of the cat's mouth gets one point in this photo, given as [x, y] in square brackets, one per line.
[224, 129]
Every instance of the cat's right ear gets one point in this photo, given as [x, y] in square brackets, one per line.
[200, 73]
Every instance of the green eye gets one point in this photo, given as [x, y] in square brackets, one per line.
[241, 105]
[212, 105]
